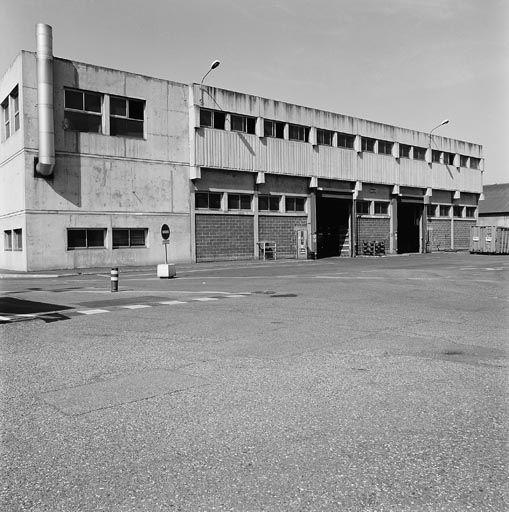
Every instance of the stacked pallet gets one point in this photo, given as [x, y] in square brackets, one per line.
[373, 248]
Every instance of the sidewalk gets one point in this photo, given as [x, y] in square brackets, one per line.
[38, 274]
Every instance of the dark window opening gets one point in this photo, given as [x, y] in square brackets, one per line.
[274, 129]
[324, 137]
[83, 111]
[475, 163]
[435, 156]
[444, 210]
[470, 212]
[269, 203]
[295, 204]
[404, 151]
[419, 153]
[242, 124]
[126, 117]
[362, 207]
[8, 240]
[449, 158]
[381, 208]
[129, 237]
[457, 211]
[208, 200]
[345, 140]
[85, 238]
[385, 147]
[368, 144]
[463, 161]
[297, 132]
[239, 202]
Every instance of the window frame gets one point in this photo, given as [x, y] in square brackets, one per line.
[348, 138]
[83, 110]
[296, 200]
[127, 116]
[214, 114]
[301, 130]
[431, 210]
[405, 150]
[472, 210]
[17, 239]
[7, 239]
[276, 131]
[238, 196]
[419, 153]
[366, 204]
[368, 144]
[386, 146]
[129, 245]
[207, 193]
[475, 163]
[464, 161]
[248, 123]
[377, 204]
[457, 208]
[270, 200]
[87, 246]
[441, 207]
[435, 156]
[322, 134]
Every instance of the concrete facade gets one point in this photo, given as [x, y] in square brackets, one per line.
[221, 188]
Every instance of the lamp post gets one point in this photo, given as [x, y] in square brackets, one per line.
[445, 121]
[214, 65]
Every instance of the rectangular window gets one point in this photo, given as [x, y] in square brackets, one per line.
[324, 137]
[212, 119]
[419, 153]
[126, 117]
[275, 129]
[435, 156]
[295, 204]
[470, 212]
[85, 238]
[432, 210]
[269, 203]
[368, 144]
[8, 240]
[345, 140]
[458, 211]
[298, 132]
[243, 124]
[239, 202]
[208, 200]
[129, 237]
[83, 111]
[15, 107]
[17, 240]
[6, 119]
[404, 151]
[463, 161]
[385, 147]
[381, 208]
[362, 207]
[475, 163]
[449, 158]
[444, 210]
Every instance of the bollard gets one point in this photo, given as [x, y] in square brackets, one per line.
[114, 279]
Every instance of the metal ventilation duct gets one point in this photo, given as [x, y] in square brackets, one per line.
[45, 99]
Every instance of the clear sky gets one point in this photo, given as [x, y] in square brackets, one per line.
[410, 63]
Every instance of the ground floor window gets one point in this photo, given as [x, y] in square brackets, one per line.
[363, 207]
[85, 238]
[458, 211]
[13, 240]
[208, 200]
[239, 202]
[381, 208]
[295, 204]
[129, 237]
[269, 203]
[470, 212]
[8, 240]
[432, 210]
[444, 210]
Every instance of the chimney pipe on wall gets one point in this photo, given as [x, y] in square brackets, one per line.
[45, 100]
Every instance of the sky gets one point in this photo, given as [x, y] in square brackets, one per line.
[410, 63]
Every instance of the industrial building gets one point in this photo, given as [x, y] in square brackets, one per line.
[93, 161]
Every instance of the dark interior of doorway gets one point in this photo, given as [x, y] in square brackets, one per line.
[409, 219]
[332, 219]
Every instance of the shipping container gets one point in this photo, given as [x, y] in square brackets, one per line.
[489, 239]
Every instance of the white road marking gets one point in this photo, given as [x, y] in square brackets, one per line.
[204, 299]
[27, 315]
[4, 318]
[171, 302]
[235, 296]
[92, 311]
[136, 306]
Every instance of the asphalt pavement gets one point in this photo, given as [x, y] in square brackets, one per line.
[367, 384]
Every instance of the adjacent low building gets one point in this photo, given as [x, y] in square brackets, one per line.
[494, 208]
[93, 161]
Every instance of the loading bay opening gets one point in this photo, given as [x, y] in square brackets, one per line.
[409, 227]
[333, 226]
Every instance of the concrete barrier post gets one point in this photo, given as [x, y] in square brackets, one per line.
[114, 279]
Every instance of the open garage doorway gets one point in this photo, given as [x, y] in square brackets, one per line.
[332, 226]
[409, 227]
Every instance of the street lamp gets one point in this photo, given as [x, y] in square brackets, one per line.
[445, 121]
[214, 65]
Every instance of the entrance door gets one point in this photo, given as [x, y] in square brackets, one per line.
[409, 221]
[332, 226]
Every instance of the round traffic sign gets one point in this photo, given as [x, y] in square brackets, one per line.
[165, 231]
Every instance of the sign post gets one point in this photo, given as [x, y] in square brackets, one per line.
[165, 270]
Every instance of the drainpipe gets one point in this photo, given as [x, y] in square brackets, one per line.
[46, 161]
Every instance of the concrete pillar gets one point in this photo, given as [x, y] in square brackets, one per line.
[353, 235]
[311, 224]
[393, 241]
[424, 227]
[256, 234]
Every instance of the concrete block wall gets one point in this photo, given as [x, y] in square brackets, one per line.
[224, 237]
[439, 234]
[281, 230]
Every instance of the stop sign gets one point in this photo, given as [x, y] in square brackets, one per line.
[165, 231]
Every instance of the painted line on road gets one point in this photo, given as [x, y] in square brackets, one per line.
[204, 299]
[172, 302]
[136, 306]
[92, 311]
